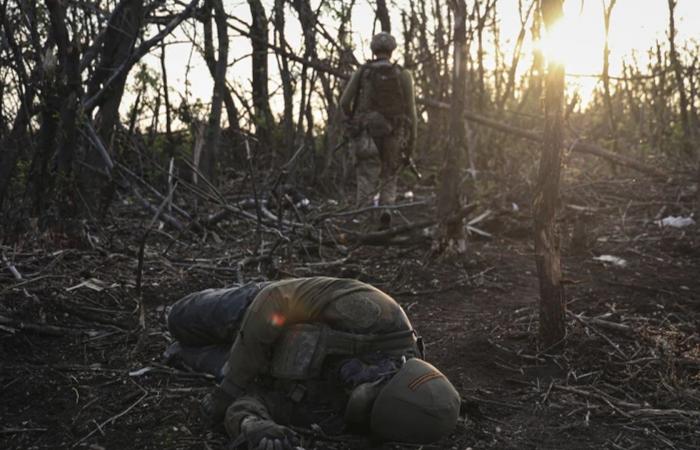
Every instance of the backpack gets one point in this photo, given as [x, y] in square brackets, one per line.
[384, 90]
[383, 97]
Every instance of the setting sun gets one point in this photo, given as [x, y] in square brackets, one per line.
[578, 39]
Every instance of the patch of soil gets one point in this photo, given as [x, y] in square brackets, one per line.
[78, 372]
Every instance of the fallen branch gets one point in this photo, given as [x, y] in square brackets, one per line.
[165, 217]
[43, 329]
[11, 267]
[355, 212]
[113, 418]
[576, 146]
[383, 236]
[587, 324]
[650, 412]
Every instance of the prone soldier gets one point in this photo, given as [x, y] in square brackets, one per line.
[334, 352]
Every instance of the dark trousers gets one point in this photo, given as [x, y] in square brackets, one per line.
[205, 324]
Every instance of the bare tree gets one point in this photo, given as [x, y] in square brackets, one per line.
[213, 131]
[689, 130]
[383, 16]
[261, 96]
[285, 76]
[546, 195]
[612, 125]
[451, 237]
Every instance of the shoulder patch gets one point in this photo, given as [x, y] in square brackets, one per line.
[421, 380]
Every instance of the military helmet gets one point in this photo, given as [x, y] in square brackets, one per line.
[418, 405]
[383, 43]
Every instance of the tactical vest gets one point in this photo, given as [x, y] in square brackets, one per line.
[299, 354]
[380, 85]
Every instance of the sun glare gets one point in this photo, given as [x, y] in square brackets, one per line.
[576, 40]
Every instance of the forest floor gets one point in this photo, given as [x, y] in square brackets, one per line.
[77, 370]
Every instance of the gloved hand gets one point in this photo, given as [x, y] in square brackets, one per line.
[214, 405]
[262, 434]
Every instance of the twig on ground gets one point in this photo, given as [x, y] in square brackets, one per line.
[113, 418]
[588, 325]
[48, 330]
[11, 267]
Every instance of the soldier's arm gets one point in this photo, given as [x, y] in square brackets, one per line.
[274, 309]
[348, 97]
[410, 95]
[251, 352]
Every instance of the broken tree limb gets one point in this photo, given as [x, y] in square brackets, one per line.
[593, 149]
[384, 236]
[576, 146]
[355, 212]
[43, 329]
[11, 267]
[165, 217]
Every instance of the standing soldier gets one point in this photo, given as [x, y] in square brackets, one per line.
[379, 103]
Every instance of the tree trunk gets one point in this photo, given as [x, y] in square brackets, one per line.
[546, 195]
[680, 85]
[119, 42]
[307, 19]
[286, 78]
[689, 138]
[383, 16]
[120, 38]
[261, 96]
[68, 86]
[451, 238]
[213, 131]
[231, 110]
[612, 125]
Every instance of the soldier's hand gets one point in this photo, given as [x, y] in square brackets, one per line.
[264, 434]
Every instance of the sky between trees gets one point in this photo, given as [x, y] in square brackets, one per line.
[635, 26]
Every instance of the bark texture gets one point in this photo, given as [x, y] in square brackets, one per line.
[451, 237]
[546, 197]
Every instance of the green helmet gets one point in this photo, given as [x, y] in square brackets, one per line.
[382, 43]
[418, 405]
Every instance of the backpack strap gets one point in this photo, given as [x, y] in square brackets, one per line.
[353, 108]
[404, 103]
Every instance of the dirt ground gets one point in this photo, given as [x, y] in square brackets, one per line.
[77, 371]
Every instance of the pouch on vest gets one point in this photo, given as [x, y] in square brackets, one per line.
[300, 352]
[297, 352]
[377, 125]
[385, 92]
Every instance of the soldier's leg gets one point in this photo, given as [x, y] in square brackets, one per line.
[367, 168]
[212, 316]
[204, 325]
[390, 164]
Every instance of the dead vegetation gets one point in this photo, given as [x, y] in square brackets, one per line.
[80, 369]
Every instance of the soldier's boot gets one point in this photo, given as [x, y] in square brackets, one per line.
[209, 359]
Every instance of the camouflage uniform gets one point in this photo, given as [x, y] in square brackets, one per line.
[274, 311]
[378, 159]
